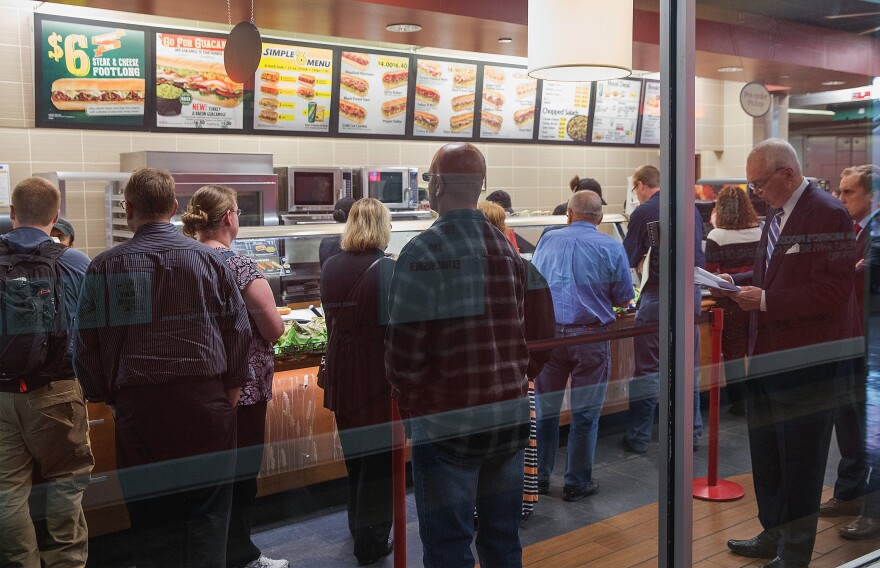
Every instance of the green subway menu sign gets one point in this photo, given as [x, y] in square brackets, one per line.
[89, 76]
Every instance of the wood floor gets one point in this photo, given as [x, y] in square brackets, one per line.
[630, 539]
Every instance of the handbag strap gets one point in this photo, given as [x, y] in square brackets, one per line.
[357, 284]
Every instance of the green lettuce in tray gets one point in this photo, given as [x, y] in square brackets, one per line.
[302, 339]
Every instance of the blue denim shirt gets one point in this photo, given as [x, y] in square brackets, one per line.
[587, 271]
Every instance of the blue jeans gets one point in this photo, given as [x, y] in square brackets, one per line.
[448, 487]
[645, 387]
[590, 366]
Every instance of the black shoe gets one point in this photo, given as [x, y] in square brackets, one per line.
[762, 546]
[628, 447]
[543, 486]
[574, 494]
[367, 560]
[835, 507]
[779, 562]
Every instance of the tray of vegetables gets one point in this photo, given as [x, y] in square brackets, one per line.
[302, 339]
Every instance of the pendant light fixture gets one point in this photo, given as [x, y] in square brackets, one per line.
[580, 40]
[244, 47]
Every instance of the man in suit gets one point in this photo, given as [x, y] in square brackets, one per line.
[802, 309]
[849, 420]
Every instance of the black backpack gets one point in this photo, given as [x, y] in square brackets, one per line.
[32, 327]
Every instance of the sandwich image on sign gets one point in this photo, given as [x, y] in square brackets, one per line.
[270, 89]
[493, 99]
[270, 76]
[524, 116]
[427, 95]
[354, 85]
[430, 69]
[491, 121]
[357, 60]
[464, 78]
[205, 81]
[77, 94]
[463, 102]
[353, 112]
[307, 93]
[395, 79]
[495, 75]
[526, 90]
[268, 116]
[306, 79]
[426, 121]
[394, 107]
[270, 103]
[461, 122]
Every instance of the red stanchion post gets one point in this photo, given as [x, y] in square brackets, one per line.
[711, 488]
[398, 458]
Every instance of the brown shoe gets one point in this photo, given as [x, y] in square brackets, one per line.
[861, 529]
[835, 507]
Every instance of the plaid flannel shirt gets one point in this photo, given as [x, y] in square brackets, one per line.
[456, 354]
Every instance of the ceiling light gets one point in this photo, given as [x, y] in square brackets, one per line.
[580, 40]
[785, 76]
[833, 83]
[732, 69]
[811, 111]
[403, 28]
[505, 40]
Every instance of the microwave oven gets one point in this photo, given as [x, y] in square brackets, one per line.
[397, 188]
[312, 189]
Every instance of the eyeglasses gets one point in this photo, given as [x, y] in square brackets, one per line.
[759, 185]
[122, 204]
[237, 212]
[426, 176]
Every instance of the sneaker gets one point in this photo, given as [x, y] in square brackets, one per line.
[628, 447]
[543, 486]
[367, 560]
[570, 493]
[265, 562]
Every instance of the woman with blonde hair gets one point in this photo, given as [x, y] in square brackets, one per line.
[354, 294]
[212, 218]
[731, 248]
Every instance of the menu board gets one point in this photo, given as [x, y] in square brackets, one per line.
[650, 133]
[264, 253]
[292, 88]
[372, 93]
[89, 76]
[192, 88]
[445, 99]
[617, 111]
[565, 111]
[508, 100]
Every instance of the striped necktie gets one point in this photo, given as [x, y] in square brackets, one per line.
[773, 236]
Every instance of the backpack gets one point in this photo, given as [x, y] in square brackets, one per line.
[31, 310]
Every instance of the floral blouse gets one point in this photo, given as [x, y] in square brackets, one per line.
[261, 356]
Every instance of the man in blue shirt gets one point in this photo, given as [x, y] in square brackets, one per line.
[644, 387]
[588, 275]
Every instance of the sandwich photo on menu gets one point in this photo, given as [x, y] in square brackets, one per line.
[426, 121]
[268, 116]
[306, 79]
[427, 95]
[526, 90]
[464, 78]
[307, 93]
[493, 99]
[270, 76]
[430, 69]
[353, 112]
[394, 107]
[270, 103]
[491, 121]
[357, 60]
[463, 102]
[269, 89]
[354, 85]
[77, 94]
[394, 79]
[205, 81]
[524, 116]
[461, 122]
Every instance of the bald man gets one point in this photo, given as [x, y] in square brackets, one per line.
[801, 308]
[456, 358]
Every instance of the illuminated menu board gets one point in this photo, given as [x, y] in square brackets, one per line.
[90, 74]
[293, 88]
[508, 103]
[193, 90]
[616, 113]
[372, 93]
[445, 98]
[650, 133]
[565, 111]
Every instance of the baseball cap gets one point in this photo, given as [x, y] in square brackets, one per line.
[65, 227]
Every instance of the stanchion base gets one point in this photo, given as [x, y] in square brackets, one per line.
[724, 491]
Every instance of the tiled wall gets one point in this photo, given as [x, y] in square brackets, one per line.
[535, 175]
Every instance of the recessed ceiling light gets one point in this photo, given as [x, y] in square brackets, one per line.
[729, 69]
[403, 28]
[505, 40]
[833, 83]
[785, 76]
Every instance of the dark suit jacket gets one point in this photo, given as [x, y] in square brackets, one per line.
[797, 343]
[862, 243]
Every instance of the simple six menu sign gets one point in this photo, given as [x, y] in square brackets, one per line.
[90, 75]
[372, 93]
